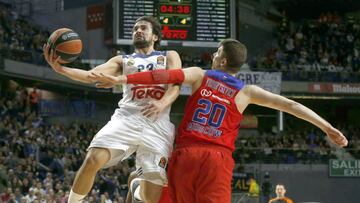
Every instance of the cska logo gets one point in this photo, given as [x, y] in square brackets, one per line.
[142, 92]
[205, 93]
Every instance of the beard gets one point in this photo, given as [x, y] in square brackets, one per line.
[141, 43]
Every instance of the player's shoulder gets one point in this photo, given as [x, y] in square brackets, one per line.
[250, 88]
[196, 69]
[172, 54]
[116, 59]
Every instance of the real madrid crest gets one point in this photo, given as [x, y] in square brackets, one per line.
[131, 62]
[160, 62]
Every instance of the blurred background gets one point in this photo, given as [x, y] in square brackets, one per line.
[307, 50]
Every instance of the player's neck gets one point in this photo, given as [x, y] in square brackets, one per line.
[228, 72]
[145, 51]
[223, 69]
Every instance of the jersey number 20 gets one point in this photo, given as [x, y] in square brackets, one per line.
[209, 113]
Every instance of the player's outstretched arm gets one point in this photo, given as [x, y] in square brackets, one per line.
[111, 67]
[188, 76]
[262, 97]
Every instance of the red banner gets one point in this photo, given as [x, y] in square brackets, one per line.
[334, 88]
[95, 17]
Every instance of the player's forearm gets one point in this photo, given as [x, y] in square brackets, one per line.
[75, 74]
[307, 114]
[156, 77]
[170, 95]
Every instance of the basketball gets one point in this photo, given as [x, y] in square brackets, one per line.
[66, 43]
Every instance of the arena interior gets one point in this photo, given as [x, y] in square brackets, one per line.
[306, 50]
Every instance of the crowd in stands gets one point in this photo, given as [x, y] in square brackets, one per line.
[202, 60]
[38, 160]
[328, 44]
[21, 39]
[293, 146]
[287, 147]
[323, 49]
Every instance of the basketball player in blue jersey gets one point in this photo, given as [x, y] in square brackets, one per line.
[129, 131]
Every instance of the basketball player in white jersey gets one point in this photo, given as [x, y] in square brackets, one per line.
[129, 131]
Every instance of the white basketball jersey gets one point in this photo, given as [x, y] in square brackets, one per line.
[137, 96]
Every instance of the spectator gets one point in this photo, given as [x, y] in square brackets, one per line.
[280, 195]
[5, 196]
[18, 195]
[31, 195]
[254, 190]
[266, 188]
[34, 100]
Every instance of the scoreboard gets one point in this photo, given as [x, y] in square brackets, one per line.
[200, 23]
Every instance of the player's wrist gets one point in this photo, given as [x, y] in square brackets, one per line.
[60, 69]
[326, 128]
[123, 79]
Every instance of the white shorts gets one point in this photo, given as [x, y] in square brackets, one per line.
[150, 166]
[128, 132]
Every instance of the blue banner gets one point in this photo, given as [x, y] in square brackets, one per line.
[77, 108]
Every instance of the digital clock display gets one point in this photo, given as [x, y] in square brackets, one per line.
[175, 9]
[200, 23]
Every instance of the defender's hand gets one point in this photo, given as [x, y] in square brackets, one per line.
[336, 137]
[153, 109]
[105, 80]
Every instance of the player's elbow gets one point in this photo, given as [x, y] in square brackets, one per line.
[294, 104]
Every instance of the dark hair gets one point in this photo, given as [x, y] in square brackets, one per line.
[235, 52]
[156, 28]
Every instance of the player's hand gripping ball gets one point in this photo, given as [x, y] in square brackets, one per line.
[65, 43]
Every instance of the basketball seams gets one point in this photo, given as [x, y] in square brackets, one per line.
[73, 44]
[65, 43]
[58, 33]
[65, 56]
[61, 40]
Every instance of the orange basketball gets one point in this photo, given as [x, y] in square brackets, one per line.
[66, 43]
